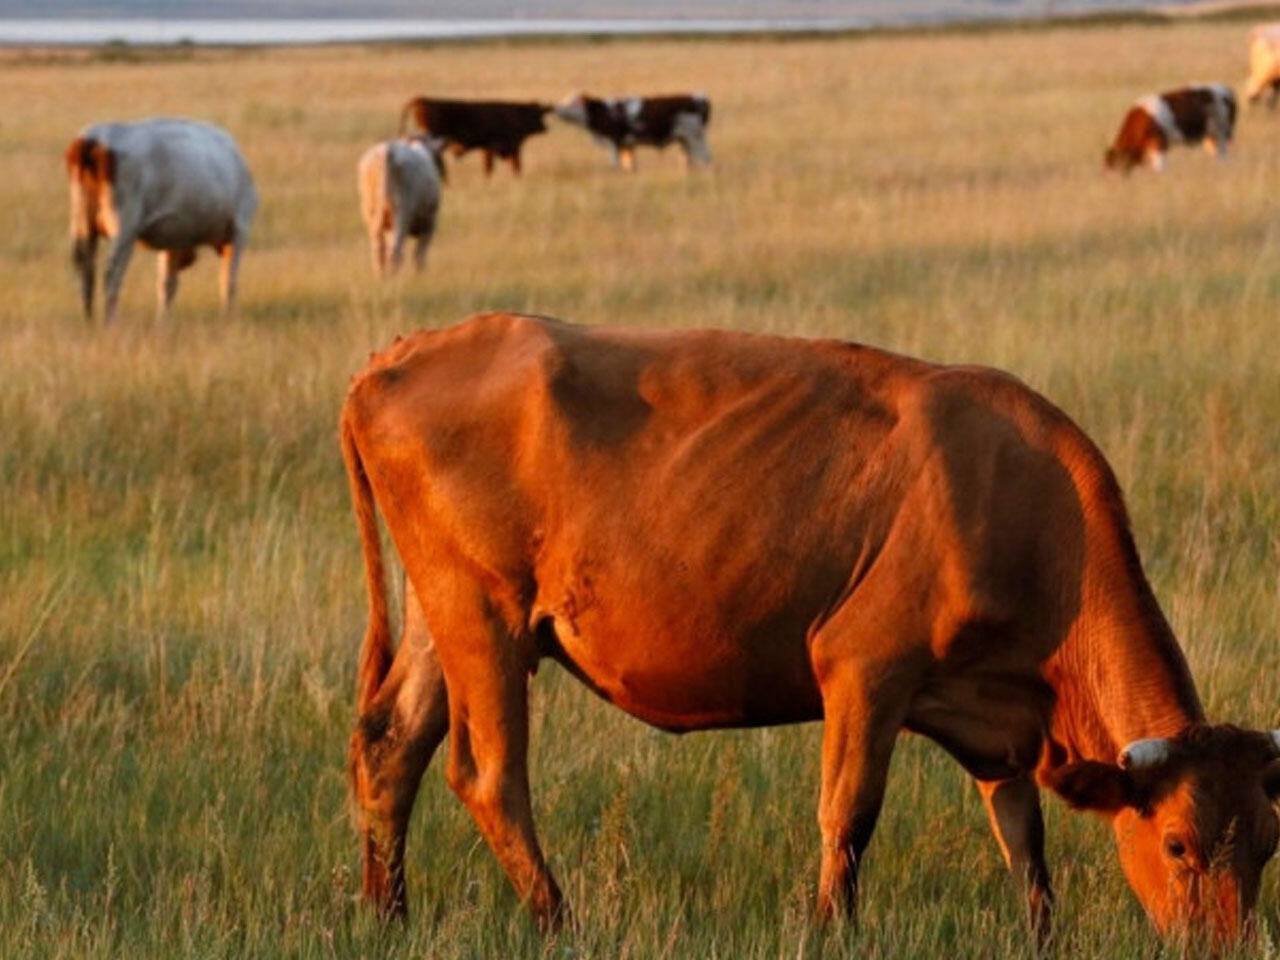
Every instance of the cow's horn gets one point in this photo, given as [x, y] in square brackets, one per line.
[1275, 738]
[1142, 754]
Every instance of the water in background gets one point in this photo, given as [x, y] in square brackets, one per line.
[171, 21]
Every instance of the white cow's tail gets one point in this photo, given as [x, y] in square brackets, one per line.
[375, 652]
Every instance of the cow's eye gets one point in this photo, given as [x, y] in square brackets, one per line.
[1175, 848]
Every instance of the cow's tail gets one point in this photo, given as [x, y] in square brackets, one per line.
[375, 652]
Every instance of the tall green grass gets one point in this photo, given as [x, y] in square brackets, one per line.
[180, 587]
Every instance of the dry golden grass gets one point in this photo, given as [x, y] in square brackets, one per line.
[180, 596]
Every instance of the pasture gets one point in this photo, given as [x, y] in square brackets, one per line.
[181, 593]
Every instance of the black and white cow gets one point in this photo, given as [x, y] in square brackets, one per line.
[624, 123]
[1201, 114]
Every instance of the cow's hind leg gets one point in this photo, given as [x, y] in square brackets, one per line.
[488, 668]
[1013, 807]
[420, 244]
[393, 742]
[378, 250]
[230, 268]
[399, 232]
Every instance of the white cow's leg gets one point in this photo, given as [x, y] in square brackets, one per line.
[168, 265]
[84, 256]
[113, 276]
[399, 232]
[420, 244]
[228, 271]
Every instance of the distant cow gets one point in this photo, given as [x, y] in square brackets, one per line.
[172, 185]
[714, 529]
[495, 127]
[1264, 63]
[399, 184]
[1190, 115]
[627, 122]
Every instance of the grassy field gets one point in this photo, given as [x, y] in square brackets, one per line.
[180, 590]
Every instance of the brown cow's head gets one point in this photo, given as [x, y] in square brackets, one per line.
[1194, 821]
[1120, 159]
[90, 172]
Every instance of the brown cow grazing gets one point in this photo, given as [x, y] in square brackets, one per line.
[495, 127]
[1191, 115]
[628, 122]
[716, 529]
[173, 185]
[399, 186]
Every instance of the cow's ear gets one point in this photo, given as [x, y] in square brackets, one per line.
[1271, 779]
[1089, 785]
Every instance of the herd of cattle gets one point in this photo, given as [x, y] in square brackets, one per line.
[715, 529]
[177, 185]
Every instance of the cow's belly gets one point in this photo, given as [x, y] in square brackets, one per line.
[168, 231]
[686, 682]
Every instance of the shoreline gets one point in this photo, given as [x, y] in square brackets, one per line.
[257, 32]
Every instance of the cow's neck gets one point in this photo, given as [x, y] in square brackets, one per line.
[1121, 675]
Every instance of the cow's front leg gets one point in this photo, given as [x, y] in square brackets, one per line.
[1013, 807]
[863, 704]
[395, 738]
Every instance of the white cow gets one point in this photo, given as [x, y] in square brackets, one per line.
[399, 183]
[172, 185]
[1264, 63]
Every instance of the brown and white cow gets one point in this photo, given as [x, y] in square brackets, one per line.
[1190, 115]
[1264, 63]
[716, 529]
[495, 127]
[624, 123]
[399, 183]
[172, 185]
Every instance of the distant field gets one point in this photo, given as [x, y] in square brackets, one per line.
[181, 596]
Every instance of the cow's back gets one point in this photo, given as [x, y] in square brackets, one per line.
[187, 175]
[684, 510]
